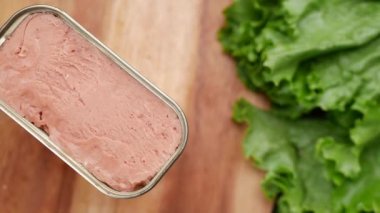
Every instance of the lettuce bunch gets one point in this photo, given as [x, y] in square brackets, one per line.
[318, 61]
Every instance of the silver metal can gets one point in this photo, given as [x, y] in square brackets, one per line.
[7, 29]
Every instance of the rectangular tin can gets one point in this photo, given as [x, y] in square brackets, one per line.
[7, 30]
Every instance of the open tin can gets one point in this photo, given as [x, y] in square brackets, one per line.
[9, 27]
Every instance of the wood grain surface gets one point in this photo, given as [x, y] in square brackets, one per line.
[173, 43]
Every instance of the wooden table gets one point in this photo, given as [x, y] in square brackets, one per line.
[173, 43]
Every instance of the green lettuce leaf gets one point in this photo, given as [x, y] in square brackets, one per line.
[279, 44]
[286, 149]
[362, 194]
[296, 177]
[318, 61]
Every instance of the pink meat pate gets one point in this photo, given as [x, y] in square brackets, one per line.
[93, 110]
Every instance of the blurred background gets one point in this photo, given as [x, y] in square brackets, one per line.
[173, 43]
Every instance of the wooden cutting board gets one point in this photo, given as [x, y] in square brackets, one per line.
[173, 43]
